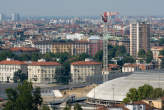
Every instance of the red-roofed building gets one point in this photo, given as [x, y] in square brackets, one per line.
[24, 50]
[8, 67]
[86, 71]
[139, 105]
[42, 71]
[127, 67]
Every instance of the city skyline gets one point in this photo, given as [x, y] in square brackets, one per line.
[82, 8]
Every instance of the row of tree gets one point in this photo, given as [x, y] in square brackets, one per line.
[147, 56]
[25, 97]
[66, 59]
[143, 92]
[115, 52]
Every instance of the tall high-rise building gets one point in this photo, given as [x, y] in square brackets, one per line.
[2, 17]
[139, 37]
[15, 17]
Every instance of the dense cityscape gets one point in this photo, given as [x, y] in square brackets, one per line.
[106, 62]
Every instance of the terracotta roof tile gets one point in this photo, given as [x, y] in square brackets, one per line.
[148, 107]
[157, 48]
[12, 62]
[130, 65]
[44, 63]
[86, 63]
[23, 49]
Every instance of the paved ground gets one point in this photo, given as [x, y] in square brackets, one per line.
[78, 92]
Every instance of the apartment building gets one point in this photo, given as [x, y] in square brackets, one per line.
[42, 71]
[86, 71]
[8, 67]
[95, 45]
[79, 47]
[43, 46]
[24, 50]
[126, 43]
[61, 47]
[127, 67]
[72, 47]
[139, 37]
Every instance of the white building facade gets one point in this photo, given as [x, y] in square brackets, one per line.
[42, 71]
[86, 72]
[8, 67]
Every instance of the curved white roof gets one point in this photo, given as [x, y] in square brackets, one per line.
[117, 89]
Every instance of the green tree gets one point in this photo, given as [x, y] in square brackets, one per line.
[145, 92]
[162, 63]
[68, 107]
[77, 107]
[24, 97]
[6, 54]
[49, 57]
[36, 56]
[128, 59]
[45, 107]
[149, 56]
[23, 57]
[141, 53]
[132, 94]
[82, 56]
[63, 75]
[62, 57]
[37, 100]
[19, 76]
[126, 100]
[157, 93]
[161, 52]
[99, 56]
[161, 41]
[120, 51]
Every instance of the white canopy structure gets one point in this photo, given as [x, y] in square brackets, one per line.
[117, 89]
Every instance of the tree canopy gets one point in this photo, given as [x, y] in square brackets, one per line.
[143, 92]
[45, 107]
[19, 76]
[161, 41]
[147, 56]
[141, 53]
[77, 107]
[24, 97]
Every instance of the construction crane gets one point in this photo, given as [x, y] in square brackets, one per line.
[105, 42]
[105, 71]
[105, 16]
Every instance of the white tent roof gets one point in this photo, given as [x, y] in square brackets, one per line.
[57, 93]
[117, 89]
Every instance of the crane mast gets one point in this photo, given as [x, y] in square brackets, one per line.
[105, 42]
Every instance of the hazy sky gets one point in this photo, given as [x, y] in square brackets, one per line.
[82, 7]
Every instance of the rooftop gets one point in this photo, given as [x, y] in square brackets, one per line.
[12, 62]
[120, 86]
[157, 48]
[86, 63]
[23, 49]
[43, 63]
